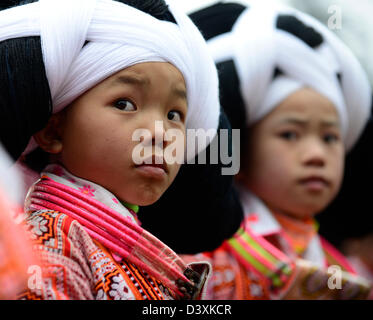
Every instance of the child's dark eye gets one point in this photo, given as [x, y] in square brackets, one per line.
[174, 115]
[289, 135]
[125, 105]
[330, 138]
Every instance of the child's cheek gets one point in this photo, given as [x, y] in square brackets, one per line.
[278, 162]
[338, 171]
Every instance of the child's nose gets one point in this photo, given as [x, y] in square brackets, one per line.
[156, 127]
[314, 154]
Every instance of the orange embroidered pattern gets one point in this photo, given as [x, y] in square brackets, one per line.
[76, 267]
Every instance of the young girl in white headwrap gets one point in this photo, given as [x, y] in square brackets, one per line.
[81, 77]
[302, 100]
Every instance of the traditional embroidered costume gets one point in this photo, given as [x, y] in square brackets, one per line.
[92, 246]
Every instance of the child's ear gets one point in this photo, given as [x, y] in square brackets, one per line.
[49, 138]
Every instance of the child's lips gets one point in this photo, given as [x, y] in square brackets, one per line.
[315, 183]
[152, 169]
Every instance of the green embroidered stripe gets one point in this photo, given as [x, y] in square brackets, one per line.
[257, 247]
[277, 263]
[249, 258]
[252, 261]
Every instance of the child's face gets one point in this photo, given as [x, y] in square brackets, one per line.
[296, 156]
[97, 128]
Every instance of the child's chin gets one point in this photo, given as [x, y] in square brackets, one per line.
[305, 213]
[303, 216]
[148, 199]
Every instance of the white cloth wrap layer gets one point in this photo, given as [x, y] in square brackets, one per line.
[119, 36]
[257, 47]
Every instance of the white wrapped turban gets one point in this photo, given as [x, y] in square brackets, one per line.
[258, 47]
[118, 36]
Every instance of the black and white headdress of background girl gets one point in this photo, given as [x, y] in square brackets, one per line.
[82, 43]
[271, 51]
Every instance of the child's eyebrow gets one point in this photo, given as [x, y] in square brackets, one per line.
[297, 121]
[304, 122]
[140, 81]
[180, 93]
[330, 123]
[130, 79]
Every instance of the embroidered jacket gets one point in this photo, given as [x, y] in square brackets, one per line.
[76, 266]
[263, 223]
[230, 279]
[311, 265]
[258, 262]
